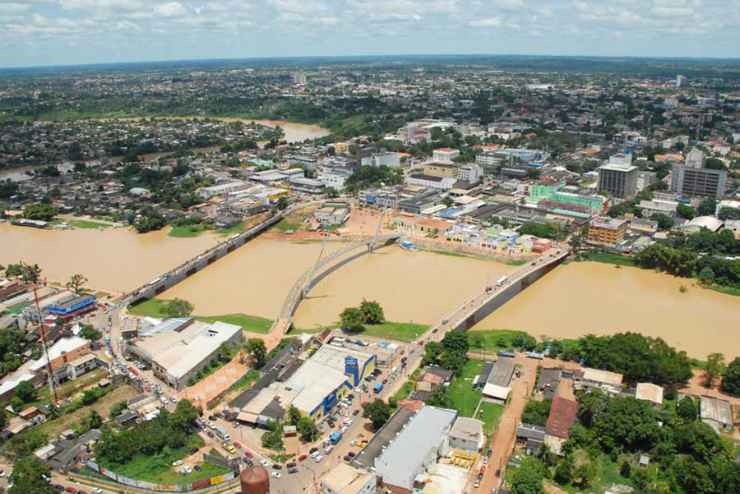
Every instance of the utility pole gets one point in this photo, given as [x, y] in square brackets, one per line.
[42, 335]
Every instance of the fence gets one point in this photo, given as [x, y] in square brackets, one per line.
[140, 484]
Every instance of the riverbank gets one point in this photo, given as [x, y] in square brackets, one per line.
[596, 298]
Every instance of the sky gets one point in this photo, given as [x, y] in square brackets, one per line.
[64, 32]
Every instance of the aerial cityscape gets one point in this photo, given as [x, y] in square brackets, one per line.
[366, 274]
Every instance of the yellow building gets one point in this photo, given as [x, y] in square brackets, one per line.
[341, 147]
[441, 170]
[606, 231]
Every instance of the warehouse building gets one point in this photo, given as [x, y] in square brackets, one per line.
[417, 447]
[314, 388]
[176, 357]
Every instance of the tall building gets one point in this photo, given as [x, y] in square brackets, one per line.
[607, 231]
[703, 182]
[695, 159]
[680, 80]
[619, 177]
[299, 78]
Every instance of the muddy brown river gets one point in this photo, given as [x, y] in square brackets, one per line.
[573, 300]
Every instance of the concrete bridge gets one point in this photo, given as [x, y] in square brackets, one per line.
[323, 268]
[189, 268]
[474, 310]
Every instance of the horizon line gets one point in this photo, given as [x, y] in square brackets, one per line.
[389, 55]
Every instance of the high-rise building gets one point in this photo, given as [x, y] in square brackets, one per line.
[680, 80]
[619, 177]
[705, 182]
[299, 78]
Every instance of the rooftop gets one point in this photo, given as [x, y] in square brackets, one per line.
[502, 372]
[649, 392]
[562, 416]
[406, 455]
[345, 479]
[64, 345]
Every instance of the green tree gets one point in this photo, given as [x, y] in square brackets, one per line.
[627, 424]
[282, 203]
[686, 409]
[307, 429]
[273, 438]
[372, 312]
[707, 207]
[178, 308]
[90, 333]
[378, 412]
[117, 409]
[731, 377]
[258, 351]
[536, 412]
[665, 222]
[715, 366]
[685, 211]
[528, 478]
[39, 212]
[29, 477]
[294, 415]
[726, 213]
[185, 415]
[77, 283]
[352, 320]
[25, 392]
[706, 275]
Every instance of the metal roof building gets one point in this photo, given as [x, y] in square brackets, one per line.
[415, 447]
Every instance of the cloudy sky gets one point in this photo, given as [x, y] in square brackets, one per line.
[49, 32]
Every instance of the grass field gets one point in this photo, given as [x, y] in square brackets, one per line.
[286, 226]
[88, 224]
[149, 308]
[493, 340]
[490, 413]
[239, 228]
[252, 324]
[54, 427]
[401, 331]
[158, 468]
[187, 231]
[463, 397]
[407, 387]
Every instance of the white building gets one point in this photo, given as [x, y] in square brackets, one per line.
[430, 182]
[467, 434]
[445, 155]
[221, 189]
[391, 160]
[470, 172]
[334, 178]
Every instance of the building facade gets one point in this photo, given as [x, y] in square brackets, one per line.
[606, 231]
[618, 180]
[704, 182]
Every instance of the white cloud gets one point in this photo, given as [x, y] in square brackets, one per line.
[487, 22]
[171, 9]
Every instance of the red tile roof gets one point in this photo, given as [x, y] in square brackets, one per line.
[562, 416]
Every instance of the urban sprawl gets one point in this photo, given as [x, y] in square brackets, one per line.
[529, 162]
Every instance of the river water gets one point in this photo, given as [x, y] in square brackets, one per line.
[572, 300]
[581, 298]
[114, 260]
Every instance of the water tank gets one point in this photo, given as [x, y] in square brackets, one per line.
[255, 480]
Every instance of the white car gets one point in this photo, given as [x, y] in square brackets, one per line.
[276, 475]
[328, 449]
[264, 462]
[318, 458]
[98, 490]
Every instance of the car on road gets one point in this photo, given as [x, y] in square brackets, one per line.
[276, 475]
[318, 458]
[264, 462]
[98, 490]
[476, 484]
[293, 470]
[277, 466]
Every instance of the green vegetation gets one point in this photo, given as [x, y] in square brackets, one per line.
[401, 331]
[87, 224]
[286, 225]
[147, 450]
[731, 377]
[355, 319]
[536, 412]
[450, 354]
[365, 177]
[162, 309]
[462, 396]
[39, 212]
[253, 324]
[378, 412]
[257, 351]
[273, 438]
[490, 414]
[238, 228]
[246, 380]
[28, 477]
[542, 230]
[607, 258]
[13, 344]
[187, 231]
[639, 358]
[149, 219]
[494, 340]
[405, 390]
